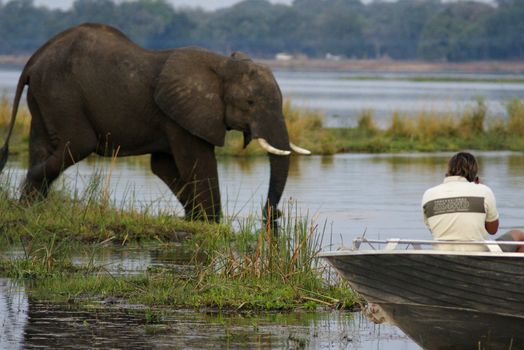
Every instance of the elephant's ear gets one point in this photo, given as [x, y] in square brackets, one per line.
[189, 91]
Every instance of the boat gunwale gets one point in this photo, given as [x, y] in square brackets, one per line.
[412, 246]
[348, 252]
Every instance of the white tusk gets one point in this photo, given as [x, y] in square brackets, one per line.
[299, 150]
[268, 148]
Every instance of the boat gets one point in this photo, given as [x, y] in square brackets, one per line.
[442, 299]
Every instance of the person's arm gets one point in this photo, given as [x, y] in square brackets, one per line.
[492, 227]
[425, 218]
[492, 215]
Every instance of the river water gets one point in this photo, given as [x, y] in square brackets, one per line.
[342, 96]
[347, 195]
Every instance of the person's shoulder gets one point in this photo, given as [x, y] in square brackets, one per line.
[485, 188]
[430, 193]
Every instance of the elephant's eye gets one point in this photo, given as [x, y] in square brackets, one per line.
[251, 103]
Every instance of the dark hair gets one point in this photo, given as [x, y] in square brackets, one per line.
[463, 164]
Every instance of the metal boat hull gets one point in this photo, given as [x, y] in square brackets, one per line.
[443, 300]
[436, 328]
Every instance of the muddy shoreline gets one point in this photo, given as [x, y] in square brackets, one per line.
[359, 65]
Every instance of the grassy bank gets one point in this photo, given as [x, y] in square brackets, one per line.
[429, 131]
[471, 128]
[246, 268]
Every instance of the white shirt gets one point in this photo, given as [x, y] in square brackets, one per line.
[458, 210]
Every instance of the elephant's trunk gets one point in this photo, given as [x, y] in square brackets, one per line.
[277, 181]
[279, 167]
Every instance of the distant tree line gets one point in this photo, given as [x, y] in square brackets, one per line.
[405, 29]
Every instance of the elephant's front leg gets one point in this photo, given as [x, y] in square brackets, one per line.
[198, 187]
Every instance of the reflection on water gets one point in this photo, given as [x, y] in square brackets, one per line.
[378, 194]
[13, 314]
[29, 324]
[134, 260]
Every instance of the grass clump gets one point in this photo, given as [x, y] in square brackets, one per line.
[366, 124]
[279, 270]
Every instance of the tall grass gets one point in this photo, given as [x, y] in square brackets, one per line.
[305, 129]
[429, 126]
[22, 124]
[256, 257]
[366, 124]
[263, 252]
[432, 131]
[515, 109]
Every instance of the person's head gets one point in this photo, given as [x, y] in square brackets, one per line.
[463, 164]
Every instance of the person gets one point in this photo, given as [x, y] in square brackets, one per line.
[463, 209]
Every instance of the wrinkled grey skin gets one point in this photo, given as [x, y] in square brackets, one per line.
[92, 90]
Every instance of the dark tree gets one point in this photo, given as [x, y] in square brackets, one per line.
[403, 29]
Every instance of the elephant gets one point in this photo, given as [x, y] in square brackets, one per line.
[93, 90]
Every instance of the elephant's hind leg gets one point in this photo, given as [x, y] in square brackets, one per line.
[51, 151]
[163, 165]
[40, 149]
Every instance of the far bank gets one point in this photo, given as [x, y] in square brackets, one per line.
[358, 65]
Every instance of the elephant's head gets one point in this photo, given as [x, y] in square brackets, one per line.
[207, 94]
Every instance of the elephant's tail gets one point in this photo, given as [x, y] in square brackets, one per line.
[4, 151]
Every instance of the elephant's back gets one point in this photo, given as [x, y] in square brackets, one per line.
[84, 42]
[92, 60]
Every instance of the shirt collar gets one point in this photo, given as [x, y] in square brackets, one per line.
[455, 179]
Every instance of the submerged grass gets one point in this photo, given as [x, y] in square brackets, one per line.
[250, 267]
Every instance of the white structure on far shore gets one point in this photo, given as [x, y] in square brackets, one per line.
[283, 56]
